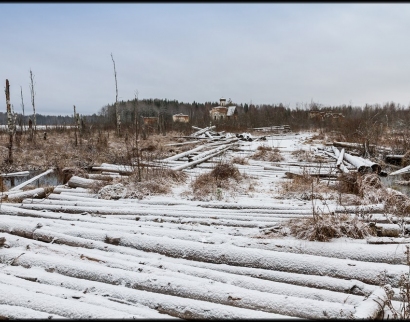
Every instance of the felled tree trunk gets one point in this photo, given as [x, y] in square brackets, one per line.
[215, 292]
[34, 193]
[75, 182]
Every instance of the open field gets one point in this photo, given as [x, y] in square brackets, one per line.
[268, 228]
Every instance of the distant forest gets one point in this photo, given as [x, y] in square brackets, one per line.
[357, 119]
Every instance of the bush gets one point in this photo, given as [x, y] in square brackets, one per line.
[266, 153]
[224, 178]
[325, 227]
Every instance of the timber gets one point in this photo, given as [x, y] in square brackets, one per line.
[75, 182]
[34, 193]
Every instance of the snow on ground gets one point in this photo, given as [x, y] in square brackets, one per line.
[72, 255]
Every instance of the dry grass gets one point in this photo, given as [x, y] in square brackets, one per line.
[95, 147]
[325, 227]
[239, 160]
[303, 155]
[223, 182]
[266, 153]
[155, 181]
[305, 187]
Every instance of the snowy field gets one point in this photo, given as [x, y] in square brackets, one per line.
[72, 255]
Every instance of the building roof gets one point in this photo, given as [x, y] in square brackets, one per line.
[231, 110]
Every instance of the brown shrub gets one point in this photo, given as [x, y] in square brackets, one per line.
[325, 227]
[239, 160]
[348, 183]
[302, 155]
[223, 171]
[223, 179]
[155, 181]
[266, 153]
[406, 159]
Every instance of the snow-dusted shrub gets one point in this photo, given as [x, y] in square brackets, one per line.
[325, 227]
[114, 191]
[154, 181]
[239, 160]
[223, 181]
[348, 183]
[266, 153]
[305, 187]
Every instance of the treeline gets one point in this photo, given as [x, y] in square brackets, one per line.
[357, 124]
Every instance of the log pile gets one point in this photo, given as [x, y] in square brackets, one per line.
[73, 255]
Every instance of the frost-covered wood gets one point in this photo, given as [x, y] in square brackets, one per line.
[197, 133]
[164, 303]
[114, 168]
[76, 181]
[209, 156]
[340, 157]
[403, 170]
[19, 312]
[69, 307]
[200, 290]
[182, 154]
[371, 307]
[33, 193]
[167, 268]
[15, 174]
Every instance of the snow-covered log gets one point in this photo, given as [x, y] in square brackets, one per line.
[34, 193]
[190, 164]
[15, 174]
[69, 307]
[356, 161]
[114, 168]
[403, 170]
[64, 188]
[60, 291]
[197, 133]
[183, 154]
[387, 240]
[340, 157]
[163, 303]
[184, 270]
[17, 312]
[76, 181]
[371, 307]
[363, 252]
[210, 291]
[389, 230]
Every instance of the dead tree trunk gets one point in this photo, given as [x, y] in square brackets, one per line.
[22, 106]
[9, 123]
[136, 136]
[33, 129]
[75, 127]
[117, 113]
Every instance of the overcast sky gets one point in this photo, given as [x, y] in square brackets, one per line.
[267, 53]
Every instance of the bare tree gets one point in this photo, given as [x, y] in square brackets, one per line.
[22, 106]
[9, 122]
[117, 113]
[136, 135]
[75, 126]
[33, 129]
